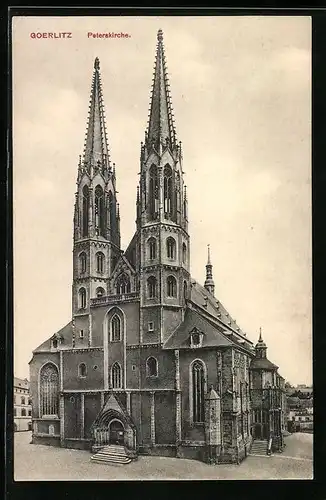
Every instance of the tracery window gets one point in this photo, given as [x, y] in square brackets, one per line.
[100, 292]
[116, 376]
[49, 390]
[153, 191]
[198, 391]
[171, 286]
[99, 211]
[100, 262]
[82, 262]
[115, 328]
[170, 247]
[123, 284]
[85, 211]
[151, 287]
[152, 248]
[167, 191]
[82, 298]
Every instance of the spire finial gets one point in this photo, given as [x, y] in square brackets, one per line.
[208, 255]
[160, 35]
[260, 335]
[97, 63]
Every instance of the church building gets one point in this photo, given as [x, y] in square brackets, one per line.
[151, 361]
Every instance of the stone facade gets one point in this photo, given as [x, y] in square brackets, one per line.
[151, 359]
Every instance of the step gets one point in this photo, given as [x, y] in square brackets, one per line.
[111, 454]
[113, 460]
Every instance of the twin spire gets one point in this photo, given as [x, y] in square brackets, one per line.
[96, 151]
[160, 130]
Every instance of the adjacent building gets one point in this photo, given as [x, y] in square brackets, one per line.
[22, 405]
[151, 359]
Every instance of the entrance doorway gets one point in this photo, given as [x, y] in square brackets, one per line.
[116, 433]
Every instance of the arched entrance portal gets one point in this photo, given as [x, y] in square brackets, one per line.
[116, 432]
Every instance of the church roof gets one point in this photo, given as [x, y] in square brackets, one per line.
[181, 337]
[65, 332]
[204, 299]
[262, 364]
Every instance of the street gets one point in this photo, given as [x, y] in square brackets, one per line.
[44, 463]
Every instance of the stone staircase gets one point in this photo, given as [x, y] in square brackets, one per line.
[111, 454]
[258, 447]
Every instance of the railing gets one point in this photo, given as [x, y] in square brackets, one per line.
[113, 299]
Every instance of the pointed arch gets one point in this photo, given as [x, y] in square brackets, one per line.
[197, 390]
[82, 298]
[123, 284]
[112, 214]
[171, 286]
[85, 210]
[100, 262]
[151, 367]
[82, 262]
[116, 376]
[167, 192]
[99, 211]
[151, 287]
[49, 390]
[152, 251]
[184, 253]
[115, 328]
[171, 248]
[153, 192]
[185, 291]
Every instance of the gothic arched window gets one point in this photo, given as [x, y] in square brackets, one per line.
[85, 211]
[151, 287]
[99, 211]
[82, 262]
[198, 391]
[153, 191]
[171, 286]
[100, 292]
[170, 248]
[115, 328]
[167, 192]
[100, 262]
[123, 284]
[116, 376]
[112, 214]
[151, 367]
[82, 298]
[49, 390]
[184, 253]
[82, 370]
[152, 248]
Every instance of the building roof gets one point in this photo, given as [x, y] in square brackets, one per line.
[23, 383]
[181, 336]
[204, 299]
[262, 364]
[64, 333]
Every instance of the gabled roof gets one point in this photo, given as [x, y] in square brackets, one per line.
[204, 299]
[19, 382]
[181, 337]
[262, 364]
[65, 332]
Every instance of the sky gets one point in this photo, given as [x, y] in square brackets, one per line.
[241, 93]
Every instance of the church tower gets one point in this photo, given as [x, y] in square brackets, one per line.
[96, 215]
[162, 219]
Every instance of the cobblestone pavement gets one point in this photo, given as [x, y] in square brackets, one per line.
[42, 463]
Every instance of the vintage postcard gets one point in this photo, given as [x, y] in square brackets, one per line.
[162, 248]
